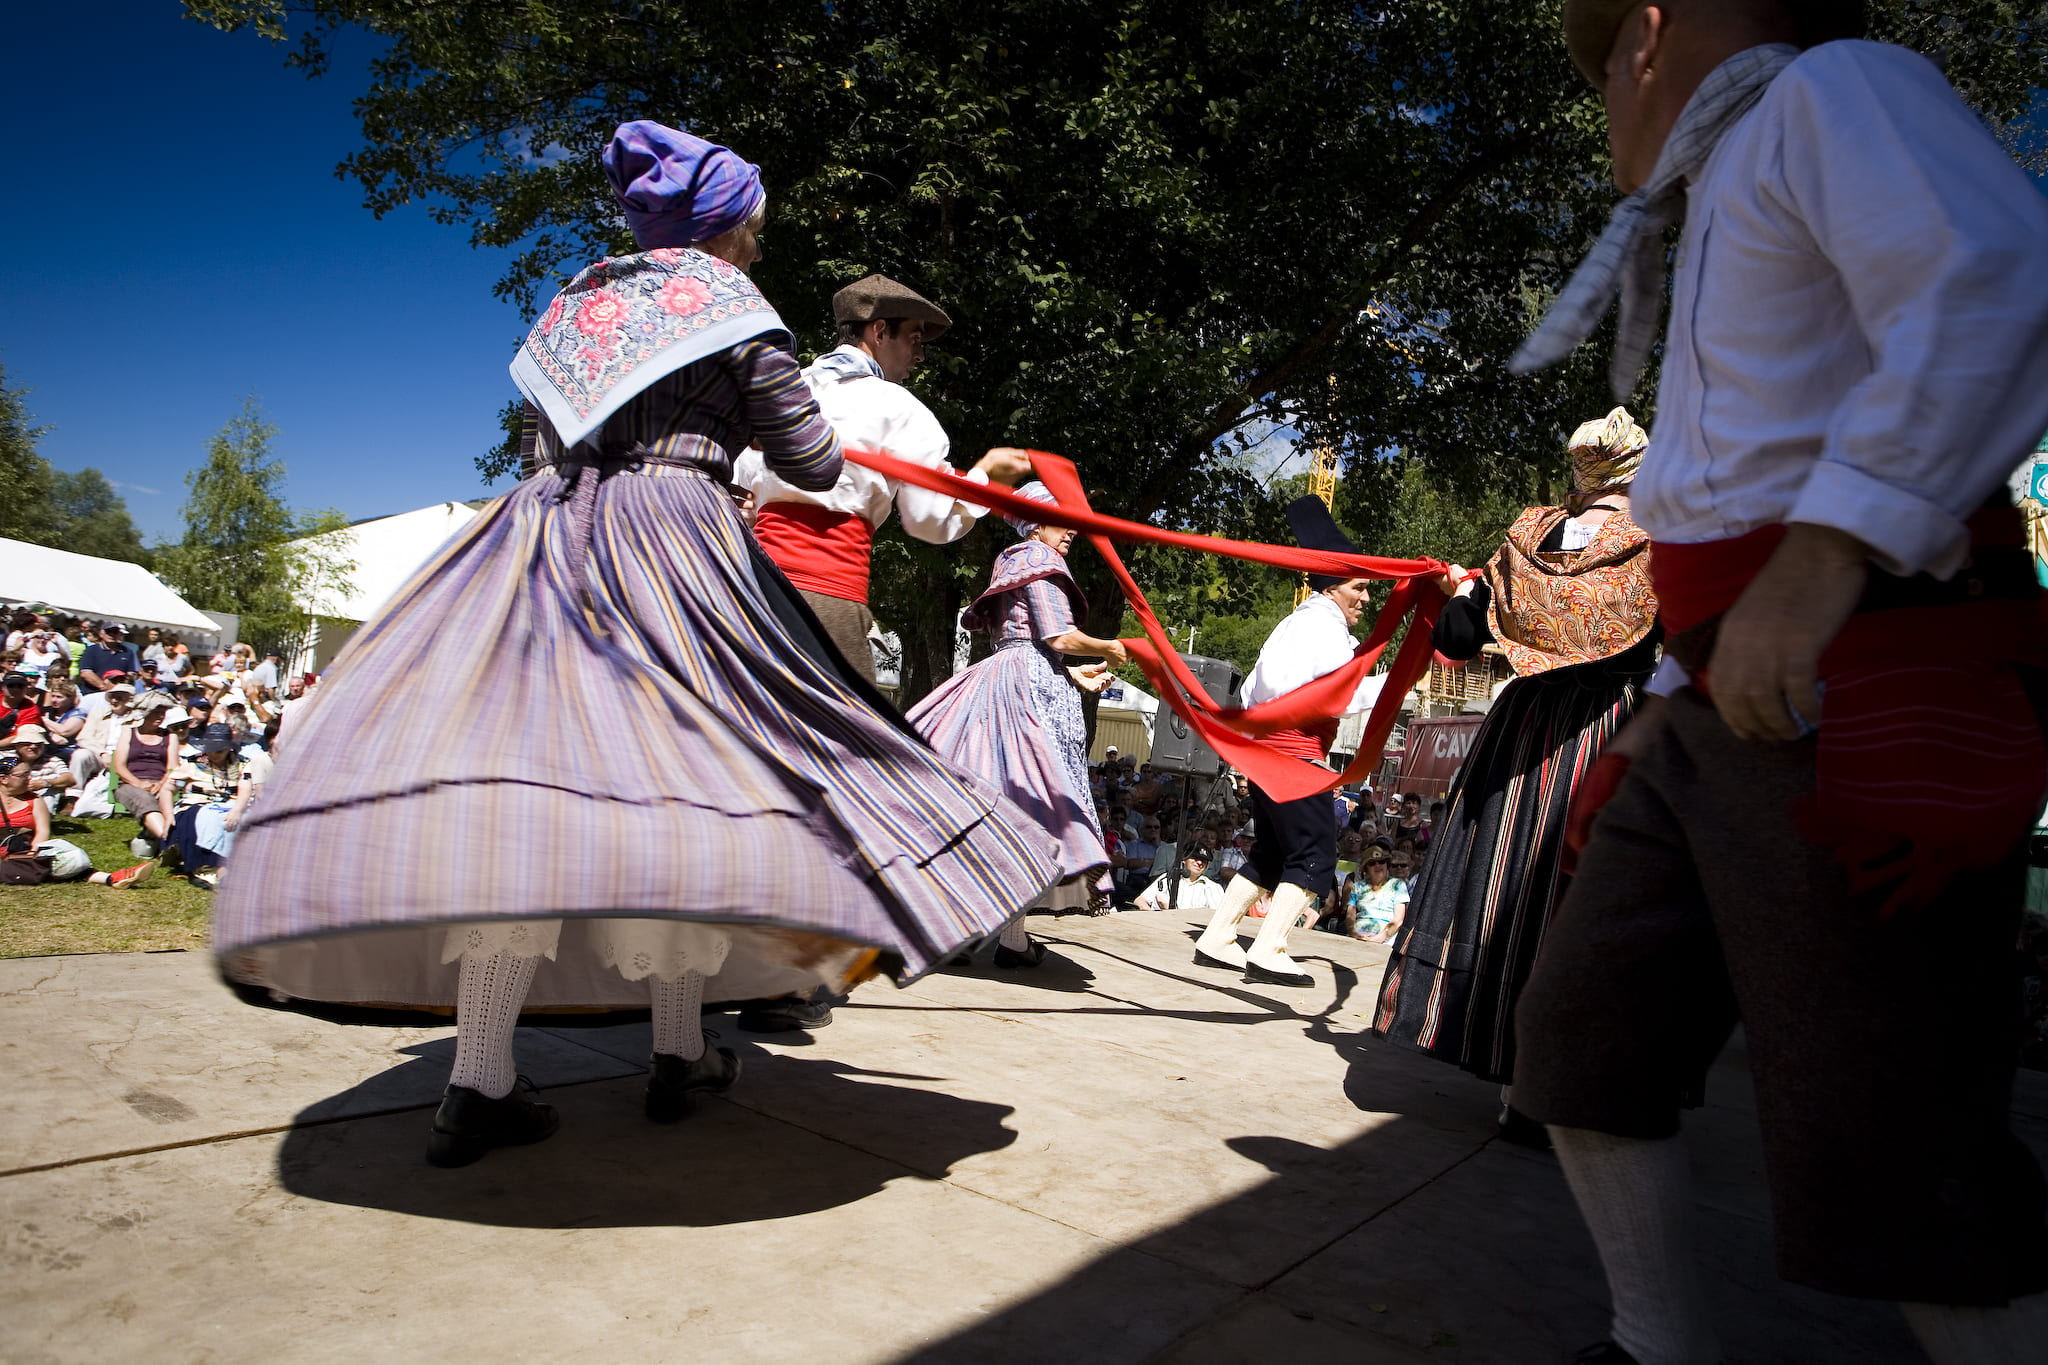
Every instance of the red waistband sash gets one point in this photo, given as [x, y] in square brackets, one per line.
[1311, 742]
[1930, 758]
[819, 549]
[1234, 734]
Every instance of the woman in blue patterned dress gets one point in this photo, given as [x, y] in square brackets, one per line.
[650, 771]
[1015, 718]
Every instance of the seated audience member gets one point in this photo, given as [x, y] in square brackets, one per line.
[105, 713]
[1378, 900]
[110, 653]
[40, 651]
[18, 702]
[1401, 861]
[153, 646]
[63, 717]
[1133, 864]
[1349, 846]
[1185, 888]
[212, 793]
[264, 677]
[1167, 853]
[145, 755]
[177, 661]
[28, 855]
[49, 776]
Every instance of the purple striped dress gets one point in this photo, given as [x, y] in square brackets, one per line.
[600, 702]
[1015, 718]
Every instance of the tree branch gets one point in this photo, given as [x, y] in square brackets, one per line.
[1227, 415]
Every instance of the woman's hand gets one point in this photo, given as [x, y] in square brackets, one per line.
[1091, 677]
[1116, 653]
[1452, 581]
[1006, 465]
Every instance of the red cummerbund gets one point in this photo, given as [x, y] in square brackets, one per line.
[821, 550]
[1311, 742]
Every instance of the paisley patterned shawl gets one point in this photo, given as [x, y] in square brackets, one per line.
[1559, 608]
[627, 322]
[1025, 562]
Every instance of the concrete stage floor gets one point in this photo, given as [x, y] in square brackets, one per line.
[1119, 1157]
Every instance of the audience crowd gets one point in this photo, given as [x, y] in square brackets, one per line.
[95, 723]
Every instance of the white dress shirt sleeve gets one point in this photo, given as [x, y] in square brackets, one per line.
[936, 518]
[1942, 246]
[1310, 644]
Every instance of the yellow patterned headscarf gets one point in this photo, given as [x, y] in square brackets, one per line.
[1606, 452]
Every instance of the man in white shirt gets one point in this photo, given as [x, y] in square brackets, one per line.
[1856, 359]
[823, 541]
[1294, 854]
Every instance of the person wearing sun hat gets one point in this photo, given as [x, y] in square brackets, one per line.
[1015, 718]
[1567, 599]
[1854, 662]
[761, 823]
[823, 539]
[1294, 852]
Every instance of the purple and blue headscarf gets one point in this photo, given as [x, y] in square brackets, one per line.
[677, 189]
[1037, 492]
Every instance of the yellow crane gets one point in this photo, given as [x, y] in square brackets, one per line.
[1323, 483]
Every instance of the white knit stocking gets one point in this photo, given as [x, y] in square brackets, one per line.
[1635, 1195]
[678, 1015]
[1013, 936]
[487, 998]
[1954, 1335]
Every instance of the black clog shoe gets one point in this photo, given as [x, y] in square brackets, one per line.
[470, 1123]
[1030, 957]
[1266, 976]
[674, 1079]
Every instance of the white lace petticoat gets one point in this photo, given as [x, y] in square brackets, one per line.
[638, 948]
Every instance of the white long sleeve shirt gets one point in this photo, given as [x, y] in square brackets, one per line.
[1311, 643]
[872, 412]
[1859, 322]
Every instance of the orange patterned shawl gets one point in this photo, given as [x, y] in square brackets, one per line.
[1552, 610]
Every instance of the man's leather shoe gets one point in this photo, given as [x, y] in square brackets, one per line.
[470, 1123]
[1253, 972]
[1030, 957]
[675, 1078]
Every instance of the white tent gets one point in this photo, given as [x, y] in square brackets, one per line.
[386, 551]
[102, 589]
[1128, 696]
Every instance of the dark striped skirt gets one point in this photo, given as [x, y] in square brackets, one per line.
[1476, 914]
[608, 707]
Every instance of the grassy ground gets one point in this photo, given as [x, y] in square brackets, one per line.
[165, 912]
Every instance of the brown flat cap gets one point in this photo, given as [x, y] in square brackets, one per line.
[1590, 27]
[878, 296]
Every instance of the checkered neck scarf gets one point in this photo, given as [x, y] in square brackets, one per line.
[1629, 257]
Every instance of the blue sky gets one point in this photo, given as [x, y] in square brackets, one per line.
[174, 239]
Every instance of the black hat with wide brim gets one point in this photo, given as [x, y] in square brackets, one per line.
[1315, 529]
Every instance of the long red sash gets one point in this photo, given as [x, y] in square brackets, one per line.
[1232, 732]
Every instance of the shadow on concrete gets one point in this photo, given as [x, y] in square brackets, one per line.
[1058, 972]
[610, 1167]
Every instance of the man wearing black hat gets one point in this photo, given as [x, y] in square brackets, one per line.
[1295, 853]
[822, 540]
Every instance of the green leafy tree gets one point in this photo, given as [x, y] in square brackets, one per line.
[25, 476]
[1162, 226]
[244, 551]
[92, 518]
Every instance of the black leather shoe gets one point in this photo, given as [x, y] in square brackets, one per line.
[673, 1080]
[1604, 1353]
[1518, 1128]
[1267, 976]
[785, 1016]
[469, 1123]
[1202, 959]
[1030, 957]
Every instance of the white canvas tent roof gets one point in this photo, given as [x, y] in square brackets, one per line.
[387, 551]
[1128, 696]
[103, 589]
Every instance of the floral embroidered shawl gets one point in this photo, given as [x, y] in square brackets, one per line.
[627, 322]
[1553, 609]
[1025, 562]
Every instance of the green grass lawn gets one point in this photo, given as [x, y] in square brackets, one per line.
[164, 913]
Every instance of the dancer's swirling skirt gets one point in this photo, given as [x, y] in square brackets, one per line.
[626, 712]
[1494, 873]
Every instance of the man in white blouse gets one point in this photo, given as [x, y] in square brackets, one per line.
[1857, 357]
[823, 541]
[1294, 851]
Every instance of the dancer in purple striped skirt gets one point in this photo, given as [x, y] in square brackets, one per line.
[653, 777]
[1015, 717]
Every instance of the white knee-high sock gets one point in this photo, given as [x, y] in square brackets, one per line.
[678, 1015]
[487, 998]
[1635, 1195]
[1013, 936]
[1219, 939]
[1953, 1335]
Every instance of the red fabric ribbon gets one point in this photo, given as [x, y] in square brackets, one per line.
[1233, 733]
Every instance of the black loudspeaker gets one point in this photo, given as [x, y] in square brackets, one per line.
[1176, 748]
